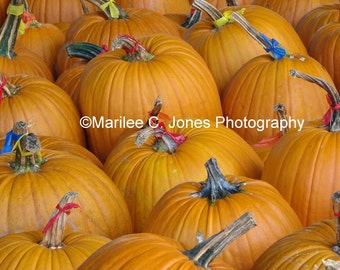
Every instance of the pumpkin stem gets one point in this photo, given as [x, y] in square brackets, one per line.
[216, 16]
[205, 252]
[232, 3]
[84, 50]
[331, 264]
[27, 154]
[54, 229]
[84, 7]
[111, 9]
[10, 28]
[271, 46]
[194, 16]
[216, 186]
[332, 117]
[28, 18]
[135, 51]
[19, 129]
[7, 89]
[336, 210]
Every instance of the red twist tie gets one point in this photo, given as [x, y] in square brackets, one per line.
[178, 138]
[327, 117]
[105, 49]
[337, 214]
[66, 209]
[132, 50]
[2, 85]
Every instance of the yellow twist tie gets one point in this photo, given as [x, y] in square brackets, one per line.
[114, 11]
[227, 18]
[22, 28]
[15, 10]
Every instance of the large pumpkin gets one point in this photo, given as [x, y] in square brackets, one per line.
[33, 179]
[122, 84]
[303, 165]
[43, 104]
[226, 47]
[52, 249]
[205, 207]
[265, 81]
[150, 251]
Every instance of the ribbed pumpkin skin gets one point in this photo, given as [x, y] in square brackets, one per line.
[227, 48]
[314, 19]
[3, 10]
[57, 11]
[325, 48]
[294, 10]
[144, 251]
[160, 6]
[144, 175]
[22, 251]
[27, 199]
[180, 216]
[43, 104]
[303, 166]
[44, 40]
[112, 87]
[264, 82]
[304, 249]
[25, 63]
[98, 29]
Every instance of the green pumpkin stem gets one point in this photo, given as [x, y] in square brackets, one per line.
[111, 9]
[54, 229]
[194, 16]
[332, 116]
[215, 15]
[216, 187]
[205, 252]
[84, 50]
[270, 45]
[134, 50]
[10, 28]
[27, 154]
[336, 210]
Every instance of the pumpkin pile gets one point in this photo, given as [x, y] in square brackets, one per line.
[169, 134]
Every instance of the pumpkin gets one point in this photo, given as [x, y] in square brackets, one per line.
[150, 251]
[303, 165]
[32, 178]
[324, 47]
[3, 10]
[102, 27]
[15, 58]
[314, 19]
[160, 6]
[167, 67]
[42, 103]
[61, 10]
[44, 39]
[313, 247]
[144, 172]
[53, 248]
[265, 81]
[293, 10]
[226, 47]
[205, 207]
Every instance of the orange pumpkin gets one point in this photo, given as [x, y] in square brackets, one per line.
[205, 207]
[324, 47]
[15, 58]
[226, 47]
[303, 165]
[167, 67]
[265, 81]
[50, 250]
[314, 19]
[42, 103]
[150, 251]
[32, 178]
[293, 10]
[316, 245]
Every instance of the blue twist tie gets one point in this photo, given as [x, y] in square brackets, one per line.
[274, 48]
[10, 138]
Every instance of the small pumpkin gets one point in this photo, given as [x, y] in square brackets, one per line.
[53, 248]
[206, 206]
[150, 251]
